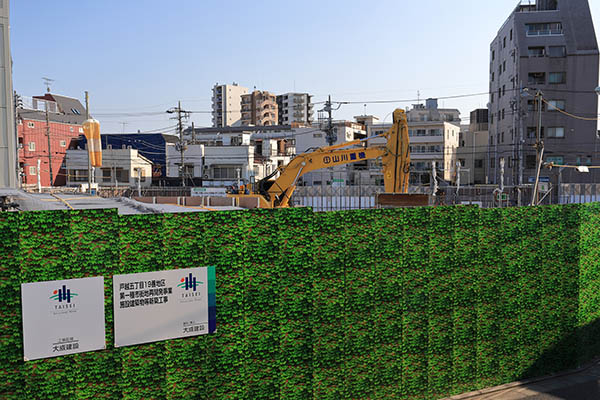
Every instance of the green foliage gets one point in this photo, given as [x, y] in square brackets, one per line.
[376, 304]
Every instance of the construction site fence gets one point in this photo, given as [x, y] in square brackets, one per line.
[404, 303]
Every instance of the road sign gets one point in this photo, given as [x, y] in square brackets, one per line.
[531, 179]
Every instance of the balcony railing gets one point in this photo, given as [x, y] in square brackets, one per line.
[549, 32]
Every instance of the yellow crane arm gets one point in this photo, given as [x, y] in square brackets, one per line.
[395, 159]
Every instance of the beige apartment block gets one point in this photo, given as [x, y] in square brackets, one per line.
[259, 108]
[226, 100]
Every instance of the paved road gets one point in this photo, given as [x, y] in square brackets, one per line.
[580, 385]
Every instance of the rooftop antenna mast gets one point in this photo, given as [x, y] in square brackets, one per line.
[48, 82]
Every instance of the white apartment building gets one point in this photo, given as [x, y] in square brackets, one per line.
[308, 138]
[255, 151]
[472, 149]
[434, 136]
[295, 108]
[120, 167]
[193, 156]
[227, 105]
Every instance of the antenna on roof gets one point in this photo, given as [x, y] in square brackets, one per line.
[47, 82]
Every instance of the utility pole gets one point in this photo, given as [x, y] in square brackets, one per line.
[18, 104]
[457, 180]
[180, 115]
[49, 145]
[434, 186]
[181, 149]
[139, 182]
[39, 180]
[331, 137]
[539, 149]
[87, 116]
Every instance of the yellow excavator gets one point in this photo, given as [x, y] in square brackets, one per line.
[272, 192]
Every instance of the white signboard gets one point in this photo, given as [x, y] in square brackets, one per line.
[162, 305]
[208, 191]
[62, 317]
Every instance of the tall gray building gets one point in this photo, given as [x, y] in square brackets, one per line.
[8, 141]
[548, 46]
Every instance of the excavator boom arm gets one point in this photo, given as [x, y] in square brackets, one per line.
[395, 159]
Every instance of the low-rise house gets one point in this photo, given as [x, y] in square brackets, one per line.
[120, 167]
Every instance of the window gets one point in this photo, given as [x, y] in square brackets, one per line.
[555, 159]
[30, 125]
[504, 42]
[122, 175]
[75, 111]
[532, 132]
[544, 29]
[492, 162]
[503, 90]
[106, 175]
[557, 51]
[537, 51]
[556, 132]
[556, 78]
[80, 130]
[317, 135]
[584, 160]
[536, 78]
[31, 146]
[478, 163]
[554, 105]
[503, 118]
[71, 129]
[225, 172]
[188, 170]
[493, 55]
[32, 170]
[511, 34]
[63, 143]
[492, 99]
[493, 76]
[532, 105]
[492, 118]
[504, 66]
[78, 175]
[502, 139]
[435, 132]
[530, 161]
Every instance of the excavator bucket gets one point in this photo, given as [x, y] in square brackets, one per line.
[396, 161]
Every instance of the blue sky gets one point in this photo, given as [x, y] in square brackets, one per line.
[142, 56]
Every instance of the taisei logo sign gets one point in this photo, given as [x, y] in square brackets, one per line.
[187, 306]
[189, 283]
[57, 320]
[63, 294]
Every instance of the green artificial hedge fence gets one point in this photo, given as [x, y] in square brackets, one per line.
[416, 303]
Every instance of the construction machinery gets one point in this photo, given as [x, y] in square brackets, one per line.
[275, 190]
